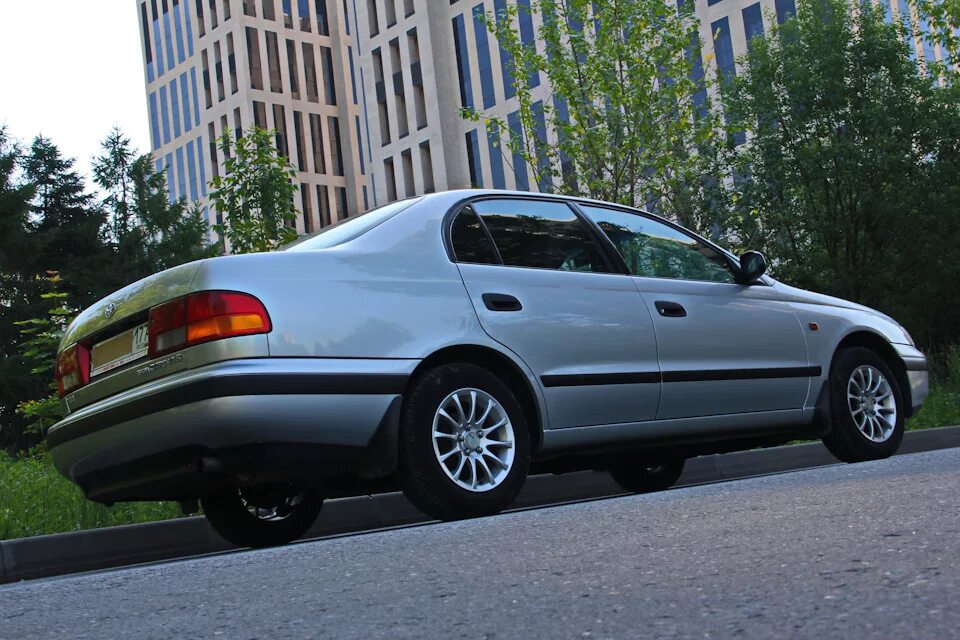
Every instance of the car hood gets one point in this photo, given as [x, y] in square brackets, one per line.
[796, 295]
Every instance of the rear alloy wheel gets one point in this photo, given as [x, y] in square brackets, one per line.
[263, 516]
[646, 479]
[866, 416]
[464, 444]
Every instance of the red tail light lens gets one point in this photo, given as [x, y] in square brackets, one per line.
[72, 370]
[203, 317]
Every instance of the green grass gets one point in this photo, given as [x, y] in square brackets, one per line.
[942, 407]
[36, 500]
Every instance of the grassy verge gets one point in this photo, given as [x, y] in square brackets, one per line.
[942, 407]
[36, 500]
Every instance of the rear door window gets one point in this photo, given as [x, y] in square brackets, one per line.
[470, 241]
[541, 234]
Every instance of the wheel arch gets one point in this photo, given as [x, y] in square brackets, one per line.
[501, 365]
[882, 347]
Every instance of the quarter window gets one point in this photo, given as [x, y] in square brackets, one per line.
[540, 234]
[655, 250]
[470, 241]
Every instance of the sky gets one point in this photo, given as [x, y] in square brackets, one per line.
[71, 70]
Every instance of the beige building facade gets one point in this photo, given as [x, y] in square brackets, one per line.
[365, 95]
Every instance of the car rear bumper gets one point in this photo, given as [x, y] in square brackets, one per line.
[285, 416]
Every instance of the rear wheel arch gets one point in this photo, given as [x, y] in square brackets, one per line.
[501, 366]
[880, 346]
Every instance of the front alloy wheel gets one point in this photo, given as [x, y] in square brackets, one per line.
[865, 407]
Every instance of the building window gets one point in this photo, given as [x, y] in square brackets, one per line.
[168, 167]
[164, 115]
[201, 26]
[323, 205]
[280, 126]
[316, 143]
[406, 161]
[232, 64]
[307, 208]
[213, 13]
[168, 35]
[253, 59]
[399, 91]
[786, 9]
[273, 62]
[237, 124]
[473, 159]
[363, 166]
[752, 23]
[483, 57]
[226, 10]
[207, 92]
[390, 8]
[310, 73]
[268, 11]
[353, 74]
[218, 67]
[157, 40]
[323, 19]
[528, 35]
[185, 102]
[189, 24]
[214, 162]
[181, 175]
[175, 108]
[301, 146]
[192, 171]
[391, 179]
[336, 148]
[519, 163]
[426, 167]
[201, 167]
[147, 46]
[196, 97]
[303, 13]
[463, 62]
[372, 15]
[181, 53]
[250, 8]
[381, 97]
[259, 115]
[329, 89]
[506, 58]
[342, 211]
[346, 16]
[545, 179]
[416, 79]
[287, 6]
[496, 158]
[723, 49]
[407, 8]
[154, 122]
[292, 69]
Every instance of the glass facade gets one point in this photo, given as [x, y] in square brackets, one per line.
[528, 36]
[147, 42]
[168, 36]
[192, 171]
[196, 97]
[785, 10]
[164, 115]
[181, 175]
[154, 120]
[323, 21]
[506, 58]
[353, 74]
[175, 108]
[544, 179]
[185, 102]
[189, 25]
[463, 62]
[157, 41]
[168, 166]
[473, 159]
[178, 26]
[203, 172]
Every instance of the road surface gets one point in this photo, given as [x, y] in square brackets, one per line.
[867, 550]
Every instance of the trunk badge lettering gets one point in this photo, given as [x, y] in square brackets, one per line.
[109, 311]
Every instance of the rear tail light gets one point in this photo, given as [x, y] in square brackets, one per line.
[72, 370]
[203, 317]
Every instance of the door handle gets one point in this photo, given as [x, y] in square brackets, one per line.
[501, 302]
[670, 309]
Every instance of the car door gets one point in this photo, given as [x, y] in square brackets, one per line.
[543, 288]
[724, 347]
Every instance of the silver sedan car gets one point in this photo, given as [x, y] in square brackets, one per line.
[452, 344]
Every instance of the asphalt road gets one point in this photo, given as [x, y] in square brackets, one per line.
[868, 550]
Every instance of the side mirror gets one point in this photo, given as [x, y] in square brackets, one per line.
[752, 266]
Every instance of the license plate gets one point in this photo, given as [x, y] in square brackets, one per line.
[119, 350]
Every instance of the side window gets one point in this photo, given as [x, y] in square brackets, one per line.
[470, 242]
[656, 250]
[541, 234]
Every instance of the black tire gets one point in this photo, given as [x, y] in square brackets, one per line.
[423, 480]
[845, 440]
[231, 517]
[640, 479]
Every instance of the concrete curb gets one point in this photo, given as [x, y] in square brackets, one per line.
[63, 553]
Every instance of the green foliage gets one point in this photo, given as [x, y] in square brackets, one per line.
[255, 196]
[942, 407]
[53, 504]
[639, 131]
[848, 181]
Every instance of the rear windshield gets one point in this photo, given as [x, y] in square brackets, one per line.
[351, 228]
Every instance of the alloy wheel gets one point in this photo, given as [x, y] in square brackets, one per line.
[872, 403]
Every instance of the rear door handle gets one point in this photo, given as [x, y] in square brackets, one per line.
[669, 309]
[501, 302]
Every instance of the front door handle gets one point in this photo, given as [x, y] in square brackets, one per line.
[501, 302]
[670, 309]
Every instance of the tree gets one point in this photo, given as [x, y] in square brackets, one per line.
[148, 232]
[848, 181]
[255, 196]
[627, 117]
